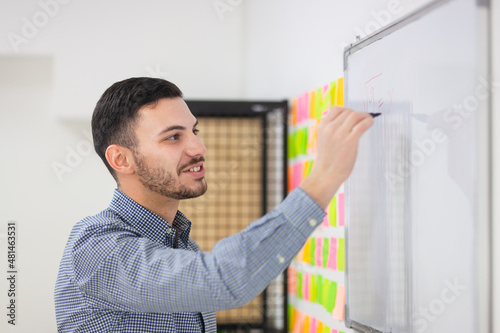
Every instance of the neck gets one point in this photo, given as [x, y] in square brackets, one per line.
[162, 206]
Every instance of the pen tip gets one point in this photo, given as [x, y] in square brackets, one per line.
[374, 115]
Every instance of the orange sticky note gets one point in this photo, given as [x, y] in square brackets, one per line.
[338, 311]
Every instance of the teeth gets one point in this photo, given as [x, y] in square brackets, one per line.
[195, 169]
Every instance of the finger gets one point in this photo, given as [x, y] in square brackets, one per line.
[361, 126]
[333, 113]
[352, 120]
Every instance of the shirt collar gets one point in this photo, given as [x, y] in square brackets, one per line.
[147, 223]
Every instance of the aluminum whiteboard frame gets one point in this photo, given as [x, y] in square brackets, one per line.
[485, 166]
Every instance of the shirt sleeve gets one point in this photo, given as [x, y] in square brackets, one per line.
[119, 270]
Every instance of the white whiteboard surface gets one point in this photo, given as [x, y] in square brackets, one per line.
[413, 199]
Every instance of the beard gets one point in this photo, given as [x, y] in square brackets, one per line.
[163, 182]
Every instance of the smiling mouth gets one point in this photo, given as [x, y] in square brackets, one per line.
[196, 169]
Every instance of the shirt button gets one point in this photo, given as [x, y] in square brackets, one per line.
[313, 222]
[281, 259]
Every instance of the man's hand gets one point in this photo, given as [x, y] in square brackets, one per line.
[338, 136]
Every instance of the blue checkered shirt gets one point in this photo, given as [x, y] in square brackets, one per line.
[124, 269]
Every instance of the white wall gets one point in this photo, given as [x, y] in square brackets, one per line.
[48, 89]
[292, 46]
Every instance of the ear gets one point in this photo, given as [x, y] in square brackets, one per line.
[120, 159]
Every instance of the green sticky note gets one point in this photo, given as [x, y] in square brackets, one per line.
[313, 251]
[299, 284]
[326, 329]
[326, 249]
[341, 255]
[313, 295]
[291, 145]
[303, 141]
[326, 292]
[333, 93]
[319, 283]
[332, 212]
[332, 295]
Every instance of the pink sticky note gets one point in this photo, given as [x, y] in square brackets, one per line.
[318, 255]
[326, 220]
[332, 254]
[306, 284]
[303, 108]
[314, 325]
[340, 209]
[326, 88]
[298, 172]
[338, 311]
[334, 331]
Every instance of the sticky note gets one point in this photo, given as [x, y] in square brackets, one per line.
[292, 280]
[291, 145]
[306, 250]
[340, 209]
[298, 171]
[332, 296]
[313, 251]
[307, 325]
[314, 289]
[340, 255]
[320, 282]
[326, 249]
[326, 219]
[299, 285]
[320, 327]
[335, 331]
[332, 212]
[306, 286]
[307, 168]
[340, 91]
[314, 325]
[333, 93]
[291, 317]
[319, 252]
[299, 322]
[312, 104]
[332, 254]
[303, 108]
[338, 311]
[293, 118]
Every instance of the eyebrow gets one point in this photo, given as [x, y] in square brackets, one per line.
[175, 127]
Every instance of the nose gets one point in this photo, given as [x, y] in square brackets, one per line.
[195, 147]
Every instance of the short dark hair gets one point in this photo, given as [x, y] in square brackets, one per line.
[115, 114]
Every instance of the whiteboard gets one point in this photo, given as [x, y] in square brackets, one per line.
[416, 198]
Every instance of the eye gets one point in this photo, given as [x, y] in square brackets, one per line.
[173, 137]
[196, 131]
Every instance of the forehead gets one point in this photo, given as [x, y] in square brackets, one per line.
[166, 112]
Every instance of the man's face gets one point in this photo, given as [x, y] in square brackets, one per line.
[169, 156]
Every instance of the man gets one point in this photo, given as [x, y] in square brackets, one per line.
[133, 267]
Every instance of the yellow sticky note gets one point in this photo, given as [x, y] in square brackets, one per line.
[340, 91]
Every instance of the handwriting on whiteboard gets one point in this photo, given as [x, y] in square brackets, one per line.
[377, 99]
